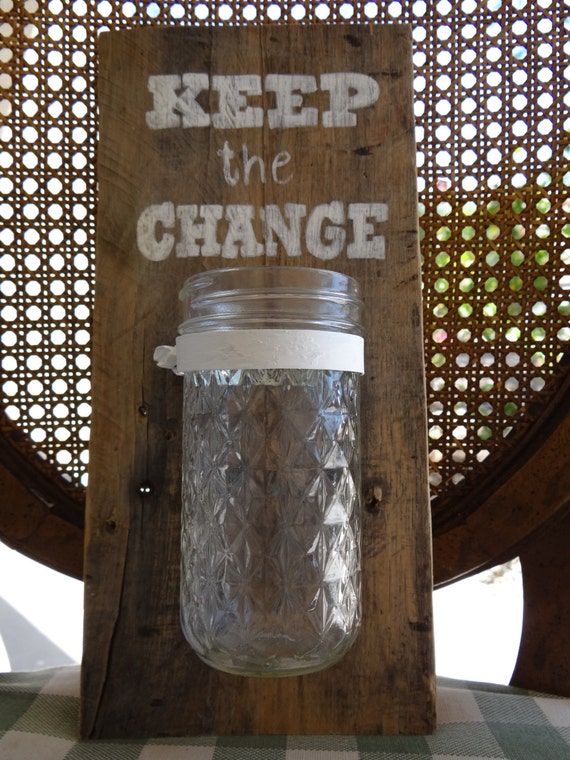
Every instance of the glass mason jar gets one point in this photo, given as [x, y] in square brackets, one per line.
[272, 358]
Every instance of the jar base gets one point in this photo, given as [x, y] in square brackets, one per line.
[271, 668]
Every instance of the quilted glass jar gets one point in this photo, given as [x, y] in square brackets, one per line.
[272, 358]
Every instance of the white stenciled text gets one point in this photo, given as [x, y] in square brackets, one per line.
[240, 230]
[179, 100]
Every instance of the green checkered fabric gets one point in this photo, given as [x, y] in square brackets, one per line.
[39, 718]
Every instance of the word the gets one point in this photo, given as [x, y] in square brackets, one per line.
[232, 176]
[230, 231]
[175, 101]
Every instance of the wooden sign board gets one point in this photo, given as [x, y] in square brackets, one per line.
[230, 147]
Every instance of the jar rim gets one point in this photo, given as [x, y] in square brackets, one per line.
[327, 280]
[271, 297]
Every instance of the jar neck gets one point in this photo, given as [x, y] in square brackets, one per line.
[274, 297]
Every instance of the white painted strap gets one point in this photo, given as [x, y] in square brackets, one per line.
[270, 349]
[165, 357]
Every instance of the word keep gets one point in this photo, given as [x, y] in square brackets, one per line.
[175, 101]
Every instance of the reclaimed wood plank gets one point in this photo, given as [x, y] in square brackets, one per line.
[139, 675]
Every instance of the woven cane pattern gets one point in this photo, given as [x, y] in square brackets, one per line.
[491, 102]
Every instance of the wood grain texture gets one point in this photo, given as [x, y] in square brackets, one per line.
[543, 662]
[139, 675]
[29, 525]
[508, 521]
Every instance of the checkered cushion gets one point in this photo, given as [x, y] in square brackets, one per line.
[39, 718]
